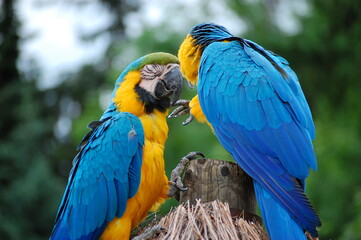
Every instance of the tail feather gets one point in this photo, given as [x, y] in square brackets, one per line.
[284, 190]
[277, 220]
[61, 232]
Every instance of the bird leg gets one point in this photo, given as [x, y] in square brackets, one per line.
[150, 233]
[309, 236]
[182, 109]
[175, 181]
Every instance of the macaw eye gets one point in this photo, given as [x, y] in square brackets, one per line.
[151, 71]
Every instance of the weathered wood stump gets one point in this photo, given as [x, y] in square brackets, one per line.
[219, 203]
[210, 179]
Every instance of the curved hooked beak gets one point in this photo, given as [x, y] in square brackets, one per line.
[171, 84]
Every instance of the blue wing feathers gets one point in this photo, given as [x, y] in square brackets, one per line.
[251, 93]
[291, 195]
[122, 190]
[256, 114]
[243, 78]
[299, 105]
[134, 170]
[302, 139]
[273, 119]
[277, 171]
[265, 123]
[132, 143]
[246, 80]
[264, 92]
[281, 109]
[241, 111]
[102, 200]
[99, 185]
[111, 200]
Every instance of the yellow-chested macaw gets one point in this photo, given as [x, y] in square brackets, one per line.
[118, 175]
[254, 103]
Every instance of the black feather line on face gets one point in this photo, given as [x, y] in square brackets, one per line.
[150, 102]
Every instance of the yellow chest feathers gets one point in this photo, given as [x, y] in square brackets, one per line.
[189, 57]
[155, 126]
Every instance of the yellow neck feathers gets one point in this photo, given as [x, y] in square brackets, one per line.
[189, 56]
[126, 99]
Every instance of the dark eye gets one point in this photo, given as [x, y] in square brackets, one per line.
[151, 71]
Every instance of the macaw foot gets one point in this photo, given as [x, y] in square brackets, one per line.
[182, 109]
[150, 233]
[175, 181]
[309, 236]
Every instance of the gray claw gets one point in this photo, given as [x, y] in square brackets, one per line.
[182, 102]
[193, 155]
[179, 111]
[175, 181]
[150, 233]
[178, 184]
[188, 120]
[182, 109]
[190, 85]
[184, 112]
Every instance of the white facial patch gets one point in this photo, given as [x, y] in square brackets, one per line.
[151, 74]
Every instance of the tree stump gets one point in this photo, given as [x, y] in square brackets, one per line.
[210, 179]
[219, 203]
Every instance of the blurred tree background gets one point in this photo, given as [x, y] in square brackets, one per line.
[40, 128]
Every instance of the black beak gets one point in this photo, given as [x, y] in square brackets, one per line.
[171, 84]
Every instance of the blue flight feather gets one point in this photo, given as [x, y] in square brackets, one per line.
[134, 170]
[276, 217]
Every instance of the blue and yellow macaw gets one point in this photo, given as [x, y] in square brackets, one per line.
[118, 175]
[253, 101]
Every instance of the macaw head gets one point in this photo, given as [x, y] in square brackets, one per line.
[207, 33]
[152, 82]
[190, 51]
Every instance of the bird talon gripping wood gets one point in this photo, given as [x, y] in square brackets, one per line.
[191, 156]
[150, 233]
[175, 182]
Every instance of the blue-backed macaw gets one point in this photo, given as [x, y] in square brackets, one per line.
[253, 101]
[118, 175]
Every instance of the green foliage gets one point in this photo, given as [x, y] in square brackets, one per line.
[26, 128]
[326, 59]
[334, 188]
